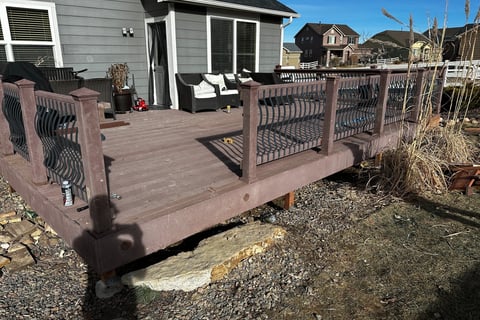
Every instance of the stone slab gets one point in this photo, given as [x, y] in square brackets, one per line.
[19, 229]
[213, 259]
[20, 258]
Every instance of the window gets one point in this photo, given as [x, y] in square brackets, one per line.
[331, 40]
[233, 45]
[28, 32]
[351, 40]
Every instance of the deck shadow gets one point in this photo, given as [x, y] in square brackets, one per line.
[227, 147]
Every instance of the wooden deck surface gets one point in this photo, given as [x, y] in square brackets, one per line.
[176, 176]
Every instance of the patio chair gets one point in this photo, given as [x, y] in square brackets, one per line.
[195, 94]
[226, 90]
[105, 99]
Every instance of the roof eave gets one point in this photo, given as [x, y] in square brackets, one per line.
[221, 4]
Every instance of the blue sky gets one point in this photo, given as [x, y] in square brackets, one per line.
[366, 18]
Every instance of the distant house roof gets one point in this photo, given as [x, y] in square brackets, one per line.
[291, 47]
[272, 7]
[450, 33]
[393, 39]
[321, 28]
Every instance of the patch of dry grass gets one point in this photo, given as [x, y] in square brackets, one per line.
[420, 166]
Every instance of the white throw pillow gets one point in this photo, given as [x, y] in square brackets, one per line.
[202, 88]
[216, 79]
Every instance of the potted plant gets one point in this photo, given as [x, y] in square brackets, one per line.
[122, 95]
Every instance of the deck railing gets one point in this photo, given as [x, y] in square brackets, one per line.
[59, 136]
[283, 119]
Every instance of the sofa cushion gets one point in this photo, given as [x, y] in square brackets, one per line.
[203, 88]
[216, 79]
[228, 92]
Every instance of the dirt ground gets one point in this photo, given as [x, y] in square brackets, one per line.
[411, 260]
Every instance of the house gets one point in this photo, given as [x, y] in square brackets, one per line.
[329, 44]
[156, 38]
[291, 55]
[458, 41]
[390, 44]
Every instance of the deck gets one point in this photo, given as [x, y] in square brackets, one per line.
[176, 176]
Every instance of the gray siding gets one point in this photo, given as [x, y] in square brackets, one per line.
[270, 45]
[91, 37]
[191, 33]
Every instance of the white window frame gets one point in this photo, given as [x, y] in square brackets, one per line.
[39, 5]
[235, 21]
[331, 37]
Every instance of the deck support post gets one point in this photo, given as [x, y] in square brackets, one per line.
[34, 144]
[5, 144]
[381, 107]
[250, 127]
[330, 114]
[288, 200]
[92, 159]
[418, 98]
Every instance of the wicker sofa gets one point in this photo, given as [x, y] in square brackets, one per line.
[226, 90]
[195, 93]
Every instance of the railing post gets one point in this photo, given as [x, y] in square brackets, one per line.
[92, 158]
[440, 81]
[250, 126]
[381, 107]
[5, 144]
[419, 91]
[330, 114]
[34, 144]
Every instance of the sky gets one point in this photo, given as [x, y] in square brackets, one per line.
[366, 18]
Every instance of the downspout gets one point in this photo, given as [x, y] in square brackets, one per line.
[282, 27]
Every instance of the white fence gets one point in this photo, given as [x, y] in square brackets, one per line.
[308, 65]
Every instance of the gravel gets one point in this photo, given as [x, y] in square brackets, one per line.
[266, 286]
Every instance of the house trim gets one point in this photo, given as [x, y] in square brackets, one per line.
[235, 20]
[52, 16]
[169, 20]
[220, 4]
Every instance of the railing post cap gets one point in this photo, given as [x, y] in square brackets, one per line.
[250, 84]
[25, 83]
[84, 94]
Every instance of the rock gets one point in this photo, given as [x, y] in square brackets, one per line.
[50, 230]
[108, 288]
[4, 261]
[5, 215]
[5, 237]
[10, 219]
[213, 258]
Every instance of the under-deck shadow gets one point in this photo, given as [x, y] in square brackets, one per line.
[105, 297]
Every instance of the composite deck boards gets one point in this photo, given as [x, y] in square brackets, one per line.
[159, 159]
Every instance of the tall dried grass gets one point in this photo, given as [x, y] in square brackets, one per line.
[419, 165]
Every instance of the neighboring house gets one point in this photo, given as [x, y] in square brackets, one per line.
[291, 55]
[156, 38]
[390, 44]
[329, 44]
[459, 43]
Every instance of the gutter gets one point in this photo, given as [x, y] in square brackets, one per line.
[282, 28]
